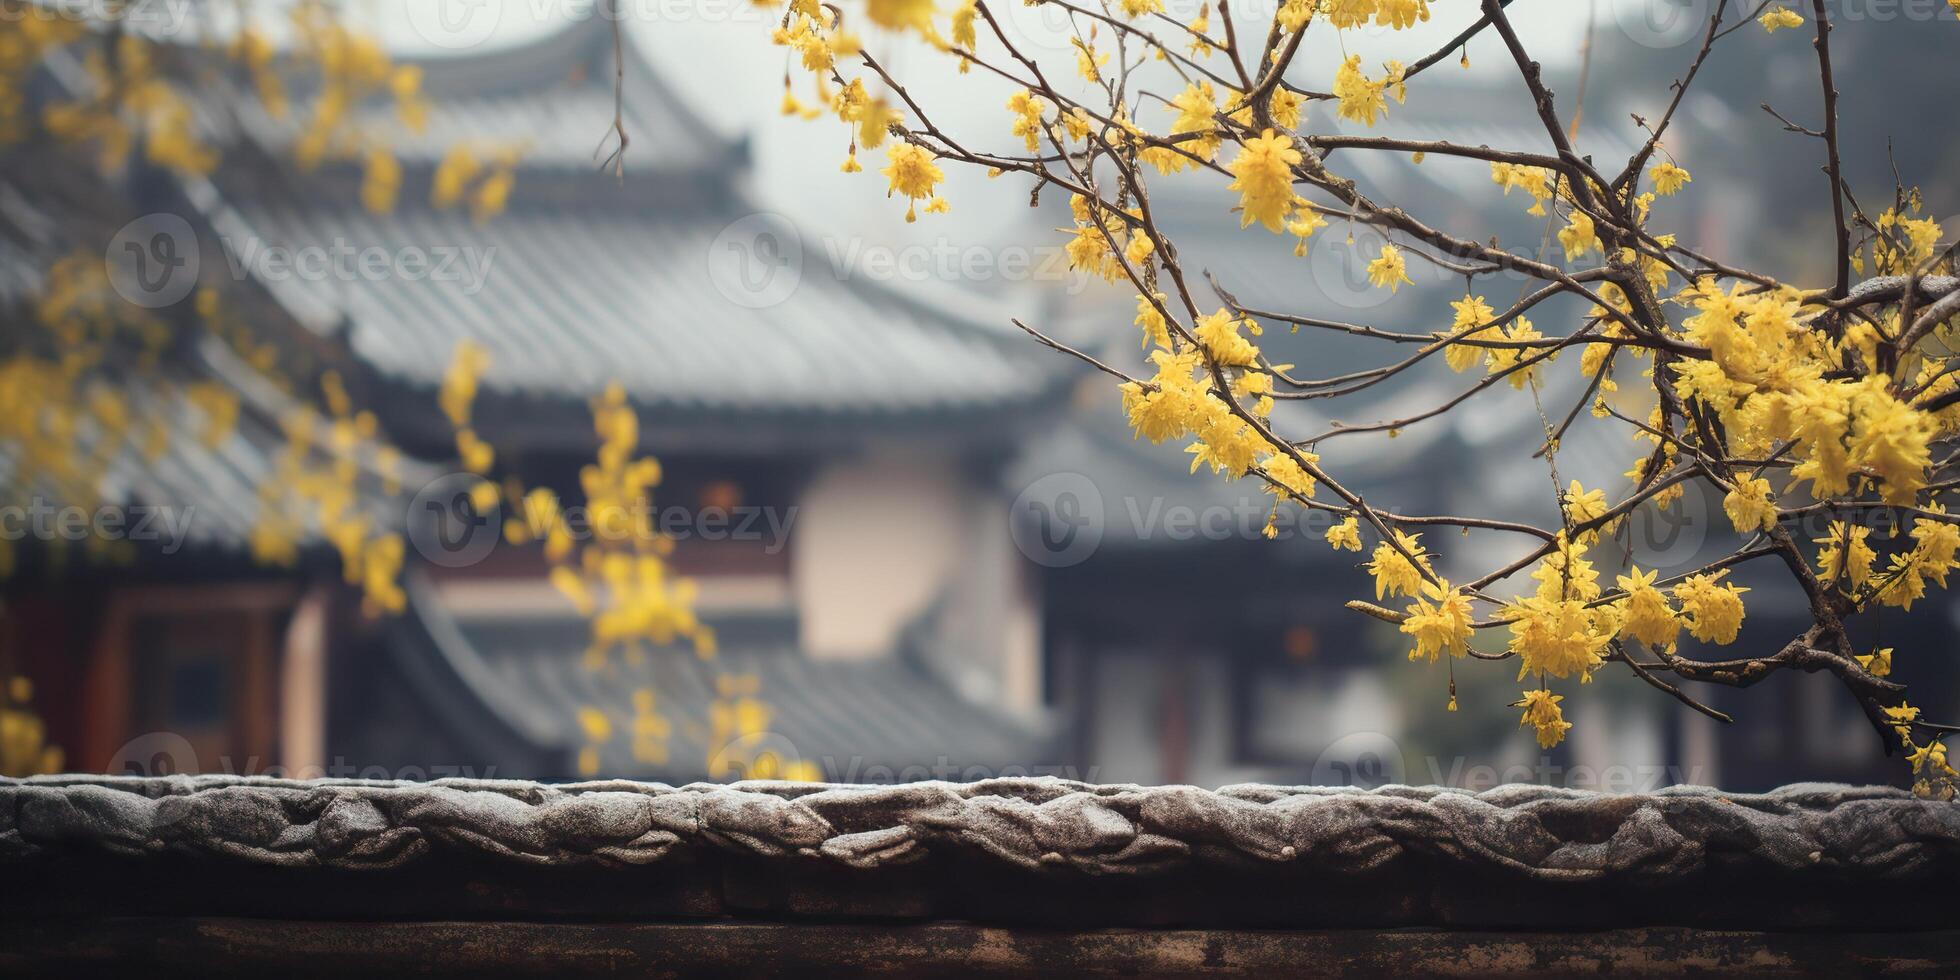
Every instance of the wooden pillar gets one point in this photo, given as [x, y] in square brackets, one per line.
[303, 688]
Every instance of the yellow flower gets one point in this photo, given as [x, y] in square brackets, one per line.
[1225, 443]
[1645, 616]
[1713, 612]
[1389, 269]
[1088, 61]
[1894, 440]
[1349, 13]
[898, 15]
[1751, 506]
[1294, 14]
[1156, 330]
[1779, 18]
[1197, 109]
[1361, 97]
[1578, 236]
[381, 183]
[1541, 712]
[1394, 573]
[1535, 181]
[1139, 8]
[1440, 628]
[1581, 506]
[1263, 175]
[1845, 553]
[1401, 14]
[1502, 359]
[1287, 476]
[1560, 637]
[1174, 403]
[1027, 118]
[1470, 311]
[1668, 178]
[1219, 333]
[913, 173]
[1346, 534]
[1878, 663]
[1285, 105]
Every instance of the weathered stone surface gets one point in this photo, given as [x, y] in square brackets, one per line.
[1010, 849]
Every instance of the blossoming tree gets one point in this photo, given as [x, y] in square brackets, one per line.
[83, 377]
[1790, 400]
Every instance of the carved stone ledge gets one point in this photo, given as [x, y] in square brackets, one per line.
[1032, 850]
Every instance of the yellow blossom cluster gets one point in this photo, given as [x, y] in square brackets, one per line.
[1763, 390]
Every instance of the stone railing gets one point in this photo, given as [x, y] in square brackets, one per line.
[1680, 868]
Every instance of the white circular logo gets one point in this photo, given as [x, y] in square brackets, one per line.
[1339, 266]
[1668, 539]
[757, 260]
[1365, 760]
[445, 526]
[1058, 520]
[153, 261]
[454, 24]
[1661, 23]
[1041, 26]
[155, 754]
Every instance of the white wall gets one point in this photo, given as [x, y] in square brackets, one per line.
[880, 537]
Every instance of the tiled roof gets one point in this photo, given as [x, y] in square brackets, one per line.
[880, 720]
[50, 208]
[577, 296]
[595, 279]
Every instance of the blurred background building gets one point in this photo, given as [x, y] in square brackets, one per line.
[930, 547]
